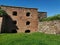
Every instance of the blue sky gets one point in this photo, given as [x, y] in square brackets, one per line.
[52, 7]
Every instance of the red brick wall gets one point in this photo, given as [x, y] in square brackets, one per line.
[21, 18]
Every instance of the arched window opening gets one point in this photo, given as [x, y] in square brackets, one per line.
[27, 23]
[27, 31]
[14, 22]
[28, 14]
[14, 13]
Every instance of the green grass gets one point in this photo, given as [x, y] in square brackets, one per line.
[29, 39]
[56, 17]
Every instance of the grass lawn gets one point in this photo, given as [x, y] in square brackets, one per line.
[29, 39]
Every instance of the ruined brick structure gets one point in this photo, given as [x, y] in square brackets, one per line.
[19, 19]
[42, 15]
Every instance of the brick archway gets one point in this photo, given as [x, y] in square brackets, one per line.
[27, 31]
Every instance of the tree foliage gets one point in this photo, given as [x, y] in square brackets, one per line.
[2, 12]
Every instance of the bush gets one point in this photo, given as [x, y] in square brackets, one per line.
[56, 17]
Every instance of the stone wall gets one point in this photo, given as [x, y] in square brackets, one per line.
[49, 27]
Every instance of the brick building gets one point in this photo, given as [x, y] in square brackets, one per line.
[19, 19]
[42, 15]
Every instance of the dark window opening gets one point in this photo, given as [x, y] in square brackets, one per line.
[27, 31]
[27, 23]
[27, 14]
[14, 13]
[14, 22]
[14, 31]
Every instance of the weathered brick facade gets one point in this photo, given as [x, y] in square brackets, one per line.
[20, 19]
[25, 19]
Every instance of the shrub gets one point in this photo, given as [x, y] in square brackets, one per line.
[56, 17]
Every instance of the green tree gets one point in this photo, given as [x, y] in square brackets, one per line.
[2, 12]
